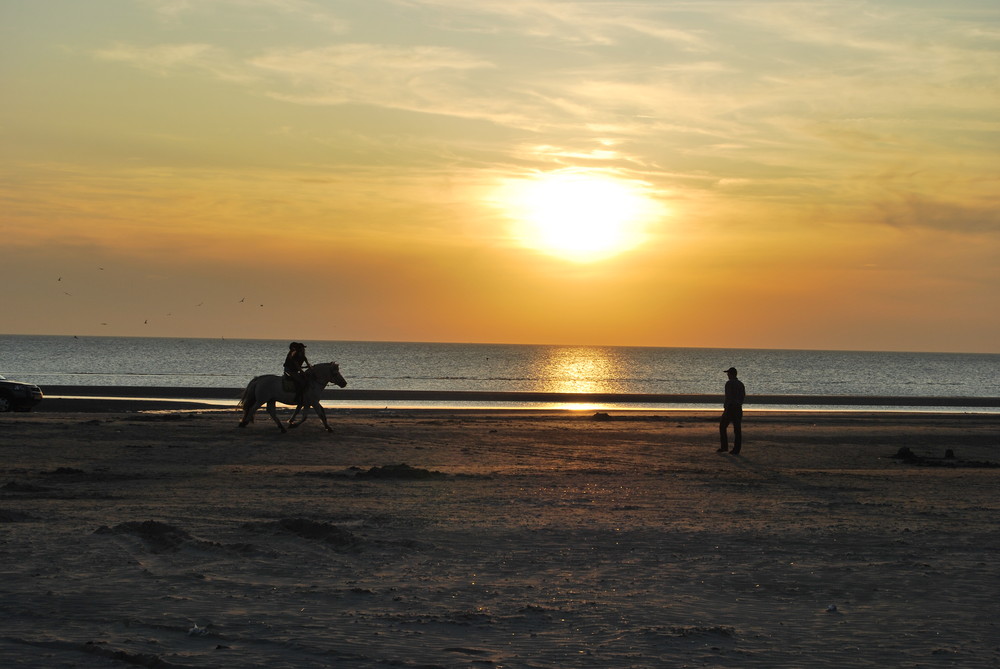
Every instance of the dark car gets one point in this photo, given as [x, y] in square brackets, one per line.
[18, 396]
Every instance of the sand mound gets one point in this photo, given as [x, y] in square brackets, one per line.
[907, 456]
[165, 538]
[18, 487]
[100, 649]
[158, 537]
[8, 516]
[331, 535]
[401, 471]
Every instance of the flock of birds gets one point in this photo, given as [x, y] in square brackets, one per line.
[145, 321]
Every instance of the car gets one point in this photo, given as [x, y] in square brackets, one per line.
[18, 396]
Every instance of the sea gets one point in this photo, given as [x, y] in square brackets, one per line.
[230, 363]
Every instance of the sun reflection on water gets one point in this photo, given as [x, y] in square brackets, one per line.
[573, 406]
[580, 369]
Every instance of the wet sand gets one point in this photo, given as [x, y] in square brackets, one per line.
[509, 539]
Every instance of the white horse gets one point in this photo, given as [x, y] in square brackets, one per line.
[268, 388]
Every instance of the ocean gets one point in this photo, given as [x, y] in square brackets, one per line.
[231, 363]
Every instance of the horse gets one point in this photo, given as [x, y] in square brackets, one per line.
[268, 389]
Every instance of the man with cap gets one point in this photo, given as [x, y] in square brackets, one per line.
[732, 412]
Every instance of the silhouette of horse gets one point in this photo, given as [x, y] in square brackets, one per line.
[268, 389]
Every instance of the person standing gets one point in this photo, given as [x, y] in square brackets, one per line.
[732, 412]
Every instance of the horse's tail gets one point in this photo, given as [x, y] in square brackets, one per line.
[249, 395]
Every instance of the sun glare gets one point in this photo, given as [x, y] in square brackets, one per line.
[579, 217]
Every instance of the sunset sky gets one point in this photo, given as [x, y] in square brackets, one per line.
[796, 174]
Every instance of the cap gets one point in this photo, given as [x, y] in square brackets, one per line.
[731, 370]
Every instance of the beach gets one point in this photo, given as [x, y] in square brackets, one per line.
[169, 537]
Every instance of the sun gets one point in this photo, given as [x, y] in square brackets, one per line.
[582, 217]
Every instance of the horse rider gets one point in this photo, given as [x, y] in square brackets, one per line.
[293, 368]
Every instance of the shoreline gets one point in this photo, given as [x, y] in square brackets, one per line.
[85, 405]
[754, 423]
[134, 398]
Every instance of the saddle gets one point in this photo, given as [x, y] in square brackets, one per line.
[288, 385]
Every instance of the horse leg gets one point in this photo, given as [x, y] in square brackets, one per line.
[249, 411]
[322, 416]
[306, 403]
[274, 415]
[291, 421]
[246, 403]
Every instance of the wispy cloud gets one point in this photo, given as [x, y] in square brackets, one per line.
[406, 77]
[168, 59]
[569, 22]
[917, 210]
[181, 10]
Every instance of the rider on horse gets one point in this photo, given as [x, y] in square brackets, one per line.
[293, 368]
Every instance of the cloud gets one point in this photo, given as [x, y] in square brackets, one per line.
[919, 211]
[175, 11]
[725, 67]
[408, 77]
[166, 59]
[580, 23]
[425, 79]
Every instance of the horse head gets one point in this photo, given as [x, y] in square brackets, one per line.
[335, 376]
[329, 372]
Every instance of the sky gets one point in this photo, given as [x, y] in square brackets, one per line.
[741, 174]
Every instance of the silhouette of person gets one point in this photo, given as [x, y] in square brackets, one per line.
[294, 361]
[732, 412]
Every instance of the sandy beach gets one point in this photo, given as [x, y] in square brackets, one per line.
[508, 539]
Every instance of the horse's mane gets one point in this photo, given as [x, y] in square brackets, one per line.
[311, 372]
